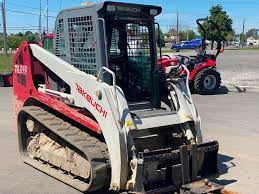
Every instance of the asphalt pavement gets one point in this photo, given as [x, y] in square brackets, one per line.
[232, 119]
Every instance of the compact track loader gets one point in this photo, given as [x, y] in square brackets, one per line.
[99, 114]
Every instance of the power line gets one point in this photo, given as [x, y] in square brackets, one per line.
[22, 26]
[35, 8]
[22, 29]
[27, 13]
[60, 5]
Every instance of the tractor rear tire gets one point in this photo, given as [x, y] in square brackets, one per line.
[207, 81]
[191, 86]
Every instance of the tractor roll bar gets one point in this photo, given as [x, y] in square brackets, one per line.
[219, 45]
[198, 21]
[219, 39]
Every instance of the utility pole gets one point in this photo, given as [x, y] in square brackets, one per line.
[234, 37]
[47, 16]
[40, 32]
[171, 34]
[177, 29]
[4, 26]
[243, 32]
[187, 33]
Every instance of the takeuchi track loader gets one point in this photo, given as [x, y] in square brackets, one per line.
[99, 114]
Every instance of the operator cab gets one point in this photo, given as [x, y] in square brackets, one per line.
[119, 36]
[130, 32]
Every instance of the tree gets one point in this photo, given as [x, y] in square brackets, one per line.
[20, 34]
[28, 33]
[1, 40]
[13, 41]
[30, 38]
[230, 37]
[160, 38]
[222, 19]
[252, 33]
[172, 31]
[183, 35]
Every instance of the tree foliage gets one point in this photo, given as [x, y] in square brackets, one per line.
[183, 35]
[252, 33]
[30, 38]
[222, 19]
[172, 31]
[160, 38]
[14, 40]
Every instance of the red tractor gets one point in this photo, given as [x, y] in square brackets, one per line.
[48, 42]
[204, 77]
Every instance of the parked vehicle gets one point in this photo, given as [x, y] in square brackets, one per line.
[192, 44]
[6, 79]
[204, 77]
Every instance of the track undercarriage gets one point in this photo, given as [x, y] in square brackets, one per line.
[63, 151]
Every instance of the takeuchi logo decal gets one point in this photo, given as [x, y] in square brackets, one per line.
[90, 99]
[128, 9]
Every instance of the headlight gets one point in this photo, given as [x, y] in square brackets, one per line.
[153, 12]
[111, 8]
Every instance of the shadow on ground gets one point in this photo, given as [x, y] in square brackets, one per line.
[223, 167]
[221, 91]
[224, 164]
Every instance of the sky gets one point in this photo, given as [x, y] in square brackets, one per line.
[23, 15]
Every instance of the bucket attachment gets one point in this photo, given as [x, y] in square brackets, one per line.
[167, 169]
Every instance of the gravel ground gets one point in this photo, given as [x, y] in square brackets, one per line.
[240, 68]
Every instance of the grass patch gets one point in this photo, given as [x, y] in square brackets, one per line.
[246, 49]
[6, 63]
[172, 51]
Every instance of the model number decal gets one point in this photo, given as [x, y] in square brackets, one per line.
[20, 69]
[90, 99]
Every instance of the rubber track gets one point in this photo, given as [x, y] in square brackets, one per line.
[95, 151]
